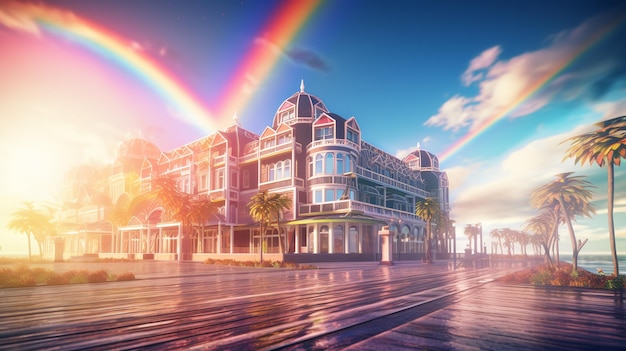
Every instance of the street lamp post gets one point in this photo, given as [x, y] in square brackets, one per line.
[454, 243]
[480, 228]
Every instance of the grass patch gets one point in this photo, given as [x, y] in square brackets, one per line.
[24, 276]
[544, 275]
[264, 264]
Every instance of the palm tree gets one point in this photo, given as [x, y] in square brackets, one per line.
[263, 206]
[523, 238]
[604, 146]
[497, 234]
[572, 195]
[30, 221]
[199, 212]
[507, 235]
[543, 226]
[429, 210]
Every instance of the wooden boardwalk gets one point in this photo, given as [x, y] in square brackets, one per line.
[357, 306]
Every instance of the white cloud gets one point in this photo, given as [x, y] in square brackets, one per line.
[484, 60]
[524, 84]
[453, 114]
[20, 16]
[499, 195]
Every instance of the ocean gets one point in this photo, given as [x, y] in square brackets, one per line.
[592, 262]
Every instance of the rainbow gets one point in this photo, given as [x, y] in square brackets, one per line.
[282, 27]
[595, 38]
[260, 60]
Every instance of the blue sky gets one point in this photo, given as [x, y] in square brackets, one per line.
[409, 71]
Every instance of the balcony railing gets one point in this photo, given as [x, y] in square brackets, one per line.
[366, 173]
[281, 147]
[281, 183]
[342, 142]
[344, 206]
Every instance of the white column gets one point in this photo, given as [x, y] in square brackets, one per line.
[219, 237]
[331, 239]
[232, 238]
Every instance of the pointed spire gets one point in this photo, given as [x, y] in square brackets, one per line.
[418, 145]
[235, 119]
[302, 85]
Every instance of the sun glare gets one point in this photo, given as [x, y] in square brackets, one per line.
[34, 167]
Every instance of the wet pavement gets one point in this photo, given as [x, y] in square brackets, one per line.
[360, 305]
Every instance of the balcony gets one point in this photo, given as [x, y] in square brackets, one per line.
[277, 149]
[219, 159]
[366, 173]
[219, 194]
[341, 142]
[281, 183]
[345, 206]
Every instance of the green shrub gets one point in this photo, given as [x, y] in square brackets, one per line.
[616, 283]
[77, 277]
[266, 264]
[58, 279]
[125, 276]
[560, 278]
[97, 276]
[542, 277]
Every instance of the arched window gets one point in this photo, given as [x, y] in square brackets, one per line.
[279, 170]
[330, 163]
[353, 240]
[340, 169]
[287, 169]
[318, 164]
[348, 163]
[338, 239]
[272, 170]
[310, 166]
[323, 237]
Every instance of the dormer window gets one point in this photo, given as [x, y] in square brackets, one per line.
[284, 138]
[352, 135]
[287, 115]
[322, 133]
[269, 143]
[318, 112]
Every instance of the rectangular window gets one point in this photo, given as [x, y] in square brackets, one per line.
[203, 184]
[324, 133]
[269, 143]
[330, 195]
[219, 179]
[352, 136]
[317, 196]
[234, 180]
[246, 179]
[339, 194]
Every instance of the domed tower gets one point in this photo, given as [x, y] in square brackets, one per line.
[299, 107]
[422, 160]
[435, 180]
[132, 153]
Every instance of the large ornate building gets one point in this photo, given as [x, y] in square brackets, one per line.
[342, 191]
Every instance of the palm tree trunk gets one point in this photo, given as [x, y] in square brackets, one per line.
[428, 257]
[611, 197]
[572, 236]
[555, 235]
[29, 251]
[261, 242]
